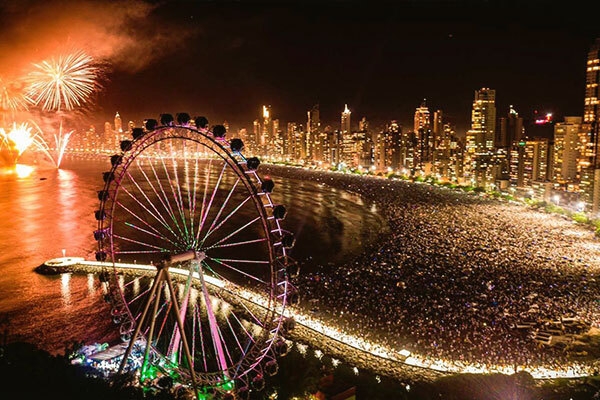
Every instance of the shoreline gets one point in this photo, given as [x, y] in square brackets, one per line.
[373, 356]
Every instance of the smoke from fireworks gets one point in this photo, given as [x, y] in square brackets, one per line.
[63, 82]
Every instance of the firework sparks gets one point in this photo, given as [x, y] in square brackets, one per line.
[63, 83]
[12, 96]
[18, 138]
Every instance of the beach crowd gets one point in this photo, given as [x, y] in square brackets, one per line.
[461, 276]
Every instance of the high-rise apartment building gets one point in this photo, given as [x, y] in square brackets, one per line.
[483, 122]
[266, 131]
[422, 130]
[118, 124]
[345, 123]
[589, 137]
[313, 131]
[566, 151]
[511, 130]
[479, 161]
[348, 151]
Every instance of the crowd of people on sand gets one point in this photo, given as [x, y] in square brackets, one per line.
[460, 277]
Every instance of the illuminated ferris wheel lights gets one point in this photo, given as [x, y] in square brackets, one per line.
[189, 195]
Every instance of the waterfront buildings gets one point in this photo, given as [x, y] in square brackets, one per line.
[510, 154]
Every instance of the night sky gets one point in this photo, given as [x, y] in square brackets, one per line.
[226, 59]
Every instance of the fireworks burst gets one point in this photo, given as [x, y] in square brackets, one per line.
[18, 138]
[63, 83]
[12, 96]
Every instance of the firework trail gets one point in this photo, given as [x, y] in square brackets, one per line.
[64, 82]
[13, 96]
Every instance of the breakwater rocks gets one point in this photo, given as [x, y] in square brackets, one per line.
[362, 359]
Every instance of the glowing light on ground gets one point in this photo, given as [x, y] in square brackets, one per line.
[64, 82]
[402, 356]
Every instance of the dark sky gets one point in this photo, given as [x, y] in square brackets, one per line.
[226, 59]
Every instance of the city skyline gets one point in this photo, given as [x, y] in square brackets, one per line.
[226, 61]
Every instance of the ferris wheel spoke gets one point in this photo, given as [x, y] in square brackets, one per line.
[175, 196]
[159, 236]
[183, 308]
[155, 232]
[206, 210]
[213, 327]
[223, 205]
[156, 214]
[232, 313]
[139, 296]
[231, 361]
[239, 271]
[138, 242]
[139, 252]
[204, 194]
[241, 325]
[191, 191]
[158, 196]
[178, 197]
[233, 332]
[257, 320]
[165, 309]
[200, 333]
[227, 217]
[163, 198]
[236, 244]
[253, 317]
[241, 228]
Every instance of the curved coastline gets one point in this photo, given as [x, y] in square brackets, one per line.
[376, 357]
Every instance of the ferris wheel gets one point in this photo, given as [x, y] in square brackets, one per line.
[199, 273]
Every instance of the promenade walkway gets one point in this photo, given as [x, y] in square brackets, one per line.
[376, 357]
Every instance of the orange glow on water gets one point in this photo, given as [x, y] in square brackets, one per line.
[23, 171]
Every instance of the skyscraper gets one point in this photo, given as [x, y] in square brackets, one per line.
[511, 130]
[589, 164]
[118, 124]
[566, 151]
[266, 133]
[422, 130]
[313, 131]
[480, 138]
[348, 152]
[483, 121]
[345, 125]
